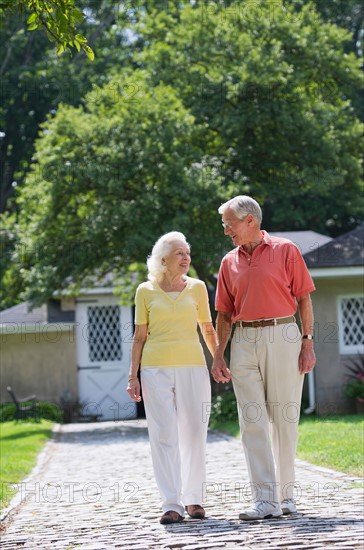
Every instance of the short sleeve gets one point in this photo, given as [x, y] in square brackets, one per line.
[204, 313]
[141, 311]
[300, 278]
[224, 301]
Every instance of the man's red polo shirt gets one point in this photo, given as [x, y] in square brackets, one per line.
[264, 285]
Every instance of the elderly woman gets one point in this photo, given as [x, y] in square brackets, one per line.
[175, 380]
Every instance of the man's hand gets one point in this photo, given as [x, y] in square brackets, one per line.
[307, 358]
[219, 371]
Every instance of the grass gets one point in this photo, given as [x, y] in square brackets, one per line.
[20, 444]
[335, 442]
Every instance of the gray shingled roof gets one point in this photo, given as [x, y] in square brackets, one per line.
[305, 240]
[21, 314]
[345, 251]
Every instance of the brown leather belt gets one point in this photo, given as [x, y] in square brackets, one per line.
[266, 322]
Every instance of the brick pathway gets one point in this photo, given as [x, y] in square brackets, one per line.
[94, 489]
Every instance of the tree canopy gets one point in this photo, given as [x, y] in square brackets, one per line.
[211, 102]
[35, 81]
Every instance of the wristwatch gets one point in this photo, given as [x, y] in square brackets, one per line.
[307, 337]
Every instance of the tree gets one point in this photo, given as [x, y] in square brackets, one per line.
[108, 179]
[59, 18]
[34, 81]
[224, 102]
[348, 14]
[270, 89]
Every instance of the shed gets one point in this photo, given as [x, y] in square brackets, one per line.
[70, 350]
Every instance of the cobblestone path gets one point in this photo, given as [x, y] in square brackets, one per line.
[94, 489]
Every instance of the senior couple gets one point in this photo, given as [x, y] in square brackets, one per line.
[261, 283]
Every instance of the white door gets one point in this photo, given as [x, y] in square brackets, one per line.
[104, 336]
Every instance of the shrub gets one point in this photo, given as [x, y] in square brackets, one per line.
[45, 410]
[50, 411]
[354, 387]
[223, 408]
[7, 412]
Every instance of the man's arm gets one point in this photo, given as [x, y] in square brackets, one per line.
[307, 358]
[219, 370]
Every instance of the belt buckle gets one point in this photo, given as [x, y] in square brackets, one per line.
[275, 322]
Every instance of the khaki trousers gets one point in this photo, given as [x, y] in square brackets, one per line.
[268, 389]
[177, 405]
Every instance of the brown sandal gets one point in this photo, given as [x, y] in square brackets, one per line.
[171, 517]
[195, 511]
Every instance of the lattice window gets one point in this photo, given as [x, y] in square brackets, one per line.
[352, 323]
[104, 333]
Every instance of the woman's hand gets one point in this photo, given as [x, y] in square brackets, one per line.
[133, 389]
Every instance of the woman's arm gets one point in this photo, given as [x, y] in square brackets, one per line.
[139, 338]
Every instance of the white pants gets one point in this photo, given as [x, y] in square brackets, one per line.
[268, 389]
[177, 405]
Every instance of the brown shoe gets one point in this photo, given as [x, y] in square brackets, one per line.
[195, 511]
[170, 517]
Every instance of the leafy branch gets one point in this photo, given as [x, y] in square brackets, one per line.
[59, 18]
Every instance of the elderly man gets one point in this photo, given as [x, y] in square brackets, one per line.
[260, 283]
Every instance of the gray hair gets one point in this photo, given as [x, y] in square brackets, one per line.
[242, 205]
[161, 249]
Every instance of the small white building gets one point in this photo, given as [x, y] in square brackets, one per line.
[71, 350]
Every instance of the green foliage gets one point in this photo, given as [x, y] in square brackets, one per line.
[50, 411]
[354, 387]
[59, 18]
[33, 83]
[45, 411]
[11, 280]
[354, 390]
[7, 412]
[211, 102]
[109, 178]
[270, 90]
[223, 409]
[348, 14]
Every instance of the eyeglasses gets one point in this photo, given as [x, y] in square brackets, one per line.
[230, 225]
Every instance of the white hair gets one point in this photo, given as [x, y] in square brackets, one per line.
[161, 249]
[242, 205]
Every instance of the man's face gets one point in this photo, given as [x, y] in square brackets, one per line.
[236, 229]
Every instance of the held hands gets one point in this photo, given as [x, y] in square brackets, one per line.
[133, 389]
[219, 371]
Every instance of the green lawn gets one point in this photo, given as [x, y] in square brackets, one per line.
[332, 442]
[20, 444]
[336, 443]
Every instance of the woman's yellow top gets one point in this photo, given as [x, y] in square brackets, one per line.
[173, 340]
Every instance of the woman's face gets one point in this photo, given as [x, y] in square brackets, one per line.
[178, 260]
